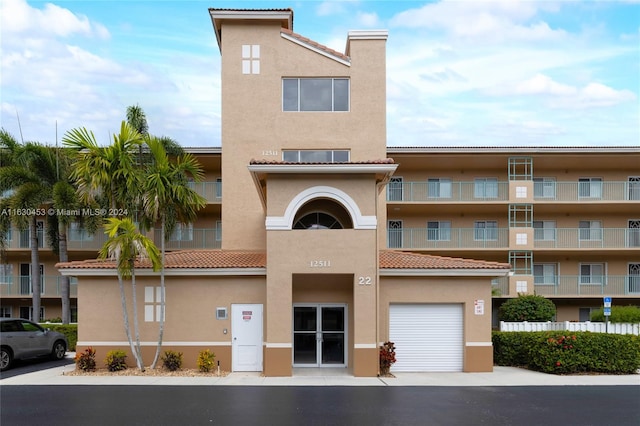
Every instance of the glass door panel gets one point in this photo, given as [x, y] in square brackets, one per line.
[332, 335]
[318, 335]
[305, 341]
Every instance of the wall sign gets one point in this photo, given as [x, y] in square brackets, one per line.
[478, 307]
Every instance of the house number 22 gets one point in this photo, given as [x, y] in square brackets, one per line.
[365, 281]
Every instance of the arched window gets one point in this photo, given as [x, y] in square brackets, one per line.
[322, 214]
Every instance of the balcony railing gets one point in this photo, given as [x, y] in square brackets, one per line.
[211, 191]
[20, 286]
[500, 286]
[449, 192]
[192, 239]
[453, 238]
[586, 191]
[610, 238]
[577, 285]
[189, 239]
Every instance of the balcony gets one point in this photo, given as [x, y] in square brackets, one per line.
[209, 238]
[193, 239]
[453, 238]
[20, 286]
[586, 238]
[586, 191]
[578, 285]
[447, 192]
[211, 191]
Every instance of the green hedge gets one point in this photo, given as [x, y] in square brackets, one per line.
[564, 352]
[630, 314]
[69, 330]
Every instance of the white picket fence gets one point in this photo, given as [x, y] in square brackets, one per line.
[595, 327]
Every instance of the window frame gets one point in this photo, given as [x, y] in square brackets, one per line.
[588, 232]
[485, 230]
[485, 187]
[299, 93]
[588, 278]
[439, 188]
[439, 230]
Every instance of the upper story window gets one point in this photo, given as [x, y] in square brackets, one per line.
[315, 94]
[250, 59]
[590, 187]
[315, 156]
[485, 188]
[322, 214]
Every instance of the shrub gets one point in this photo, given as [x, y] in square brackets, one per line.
[69, 330]
[86, 360]
[527, 307]
[564, 352]
[206, 360]
[172, 360]
[116, 360]
[628, 314]
[387, 357]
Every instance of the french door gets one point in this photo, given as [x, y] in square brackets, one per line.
[319, 335]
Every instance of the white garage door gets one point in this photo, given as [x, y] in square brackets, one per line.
[427, 337]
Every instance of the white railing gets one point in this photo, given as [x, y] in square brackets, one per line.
[595, 327]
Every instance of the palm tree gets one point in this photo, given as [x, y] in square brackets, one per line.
[125, 245]
[137, 119]
[168, 198]
[110, 172]
[27, 173]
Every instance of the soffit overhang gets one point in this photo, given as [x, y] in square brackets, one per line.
[260, 171]
[219, 16]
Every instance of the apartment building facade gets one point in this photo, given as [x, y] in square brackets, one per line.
[319, 242]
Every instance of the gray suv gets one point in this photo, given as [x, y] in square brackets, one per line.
[21, 339]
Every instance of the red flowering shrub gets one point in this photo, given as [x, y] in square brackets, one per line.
[387, 357]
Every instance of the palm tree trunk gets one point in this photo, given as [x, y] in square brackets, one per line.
[125, 316]
[64, 280]
[162, 302]
[136, 329]
[35, 270]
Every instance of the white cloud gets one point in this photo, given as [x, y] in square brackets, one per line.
[482, 21]
[368, 20]
[20, 18]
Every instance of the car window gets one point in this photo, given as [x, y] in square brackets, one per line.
[8, 326]
[29, 326]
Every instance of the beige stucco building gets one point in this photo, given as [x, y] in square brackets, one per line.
[323, 242]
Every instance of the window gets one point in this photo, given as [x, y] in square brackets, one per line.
[395, 189]
[544, 230]
[182, 232]
[485, 188]
[6, 274]
[315, 94]
[5, 312]
[634, 188]
[394, 234]
[544, 187]
[590, 188]
[592, 273]
[218, 230]
[545, 273]
[250, 59]
[486, 230]
[317, 220]
[439, 231]
[77, 233]
[218, 188]
[439, 188]
[590, 230]
[153, 304]
[316, 156]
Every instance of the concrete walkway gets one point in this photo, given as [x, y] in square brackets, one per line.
[501, 376]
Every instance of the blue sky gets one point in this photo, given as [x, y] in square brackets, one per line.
[459, 73]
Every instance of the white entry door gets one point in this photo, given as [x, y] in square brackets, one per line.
[246, 337]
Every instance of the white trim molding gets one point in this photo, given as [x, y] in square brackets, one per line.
[151, 343]
[485, 344]
[365, 346]
[278, 345]
[285, 222]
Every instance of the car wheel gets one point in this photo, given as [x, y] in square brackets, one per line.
[6, 358]
[58, 350]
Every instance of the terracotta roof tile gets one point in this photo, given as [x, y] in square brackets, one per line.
[186, 259]
[391, 259]
[315, 44]
[280, 163]
[222, 259]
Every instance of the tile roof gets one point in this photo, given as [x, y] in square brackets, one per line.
[224, 259]
[280, 163]
[185, 259]
[317, 45]
[392, 259]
